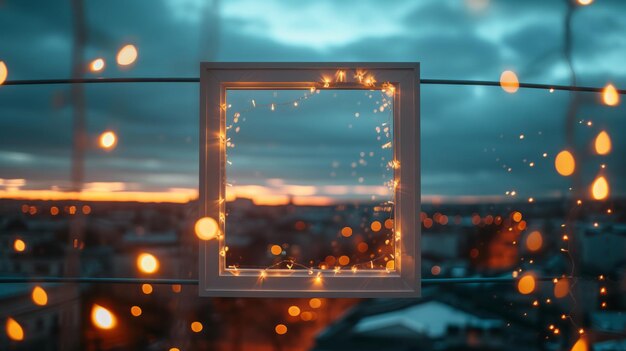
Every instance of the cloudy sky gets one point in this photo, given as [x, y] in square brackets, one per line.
[470, 138]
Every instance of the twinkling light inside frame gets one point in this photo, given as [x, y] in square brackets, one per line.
[300, 280]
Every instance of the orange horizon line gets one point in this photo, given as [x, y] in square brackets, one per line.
[183, 196]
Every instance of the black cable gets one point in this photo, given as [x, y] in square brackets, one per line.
[197, 80]
[156, 281]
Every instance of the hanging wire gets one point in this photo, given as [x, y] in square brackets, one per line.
[156, 281]
[197, 80]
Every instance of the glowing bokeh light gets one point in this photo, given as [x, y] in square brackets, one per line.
[276, 250]
[294, 311]
[206, 228]
[107, 140]
[509, 82]
[534, 241]
[147, 263]
[580, 345]
[344, 260]
[4, 72]
[281, 329]
[127, 55]
[196, 327]
[136, 311]
[19, 245]
[14, 330]
[600, 188]
[102, 318]
[96, 65]
[389, 223]
[376, 226]
[346, 231]
[39, 296]
[526, 284]
[565, 163]
[603, 143]
[146, 289]
[561, 288]
[315, 303]
[610, 96]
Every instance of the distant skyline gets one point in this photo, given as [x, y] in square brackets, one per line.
[477, 142]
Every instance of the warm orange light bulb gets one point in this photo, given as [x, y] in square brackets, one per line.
[196, 327]
[39, 296]
[509, 82]
[315, 303]
[603, 143]
[376, 226]
[526, 284]
[19, 245]
[565, 163]
[108, 140]
[146, 289]
[276, 250]
[346, 231]
[294, 311]
[580, 345]
[135, 311]
[14, 330]
[102, 318]
[206, 228]
[127, 55]
[561, 288]
[147, 263]
[600, 188]
[96, 65]
[534, 241]
[610, 95]
[281, 329]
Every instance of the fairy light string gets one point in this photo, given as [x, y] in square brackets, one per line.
[384, 104]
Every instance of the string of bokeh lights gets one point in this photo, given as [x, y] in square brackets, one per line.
[387, 93]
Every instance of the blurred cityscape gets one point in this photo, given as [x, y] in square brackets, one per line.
[507, 240]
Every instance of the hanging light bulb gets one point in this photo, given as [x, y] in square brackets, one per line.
[526, 284]
[39, 296]
[600, 188]
[610, 96]
[603, 143]
[206, 228]
[96, 65]
[102, 318]
[108, 140]
[127, 55]
[565, 163]
[147, 263]
[509, 82]
[14, 330]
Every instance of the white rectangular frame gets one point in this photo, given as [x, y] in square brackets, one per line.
[215, 279]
